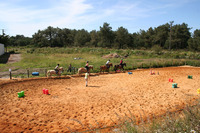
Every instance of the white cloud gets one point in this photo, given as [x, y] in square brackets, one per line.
[32, 16]
[21, 20]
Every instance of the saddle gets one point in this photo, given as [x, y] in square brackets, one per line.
[56, 71]
[107, 66]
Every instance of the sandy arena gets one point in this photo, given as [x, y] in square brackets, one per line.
[73, 107]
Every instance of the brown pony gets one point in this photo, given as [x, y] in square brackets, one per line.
[83, 69]
[116, 67]
[104, 67]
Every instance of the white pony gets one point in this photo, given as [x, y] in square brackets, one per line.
[60, 70]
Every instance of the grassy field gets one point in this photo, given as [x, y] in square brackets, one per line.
[48, 58]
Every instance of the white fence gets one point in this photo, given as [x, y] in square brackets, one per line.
[1, 49]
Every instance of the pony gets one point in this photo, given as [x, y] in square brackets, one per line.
[116, 67]
[104, 67]
[83, 69]
[60, 70]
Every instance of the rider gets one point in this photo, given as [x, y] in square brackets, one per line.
[87, 66]
[121, 62]
[107, 64]
[56, 68]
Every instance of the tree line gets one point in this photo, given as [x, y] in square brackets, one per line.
[166, 36]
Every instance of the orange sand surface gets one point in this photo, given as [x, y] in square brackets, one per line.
[73, 107]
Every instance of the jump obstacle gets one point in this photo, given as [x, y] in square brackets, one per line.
[153, 73]
[174, 85]
[45, 91]
[198, 91]
[20, 94]
[170, 80]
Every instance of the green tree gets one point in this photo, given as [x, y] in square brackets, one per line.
[49, 37]
[4, 40]
[40, 40]
[141, 39]
[50, 34]
[178, 36]
[122, 38]
[170, 35]
[81, 38]
[94, 38]
[67, 37]
[149, 38]
[161, 34]
[19, 40]
[194, 41]
[135, 40]
[181, 36]
[106, 36]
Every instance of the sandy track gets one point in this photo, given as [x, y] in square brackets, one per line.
[72, 106]
[14, 58]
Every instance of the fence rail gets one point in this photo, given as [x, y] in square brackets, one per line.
[28, 73]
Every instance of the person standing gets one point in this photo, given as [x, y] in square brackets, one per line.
[87, 76]
[69, 68]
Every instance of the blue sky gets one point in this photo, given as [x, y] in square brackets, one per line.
[26, 17]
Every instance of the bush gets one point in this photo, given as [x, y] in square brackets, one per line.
[157, 49]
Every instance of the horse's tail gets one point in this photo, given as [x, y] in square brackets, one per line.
[47, 73]
[100, 69]
[79, 71]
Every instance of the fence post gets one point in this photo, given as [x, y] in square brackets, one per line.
[28, 73]
[45, 72]
[10, 73]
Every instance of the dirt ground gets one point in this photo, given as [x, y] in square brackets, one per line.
[14, 58]
[73, 107]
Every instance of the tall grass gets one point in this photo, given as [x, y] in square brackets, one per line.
[172, 122]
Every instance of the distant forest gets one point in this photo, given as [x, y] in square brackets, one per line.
[166, 36]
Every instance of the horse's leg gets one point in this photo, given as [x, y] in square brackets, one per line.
[79, 72]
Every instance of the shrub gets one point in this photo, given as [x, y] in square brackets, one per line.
[157, 49]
